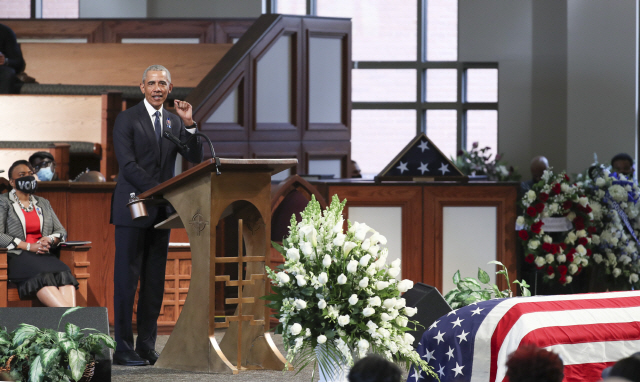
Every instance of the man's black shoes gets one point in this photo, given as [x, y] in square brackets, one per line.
[129, 358]
[149, 355]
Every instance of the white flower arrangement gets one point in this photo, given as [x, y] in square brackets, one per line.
[335, 292]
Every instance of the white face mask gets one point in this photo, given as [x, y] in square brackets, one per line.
[45, 174]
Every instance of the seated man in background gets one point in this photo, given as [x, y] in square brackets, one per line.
[537, 167]
[11, 62]
[623, 164]
[44, 165]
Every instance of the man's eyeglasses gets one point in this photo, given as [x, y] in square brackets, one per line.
[44, 164]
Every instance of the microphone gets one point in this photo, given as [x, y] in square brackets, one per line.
[185, 147]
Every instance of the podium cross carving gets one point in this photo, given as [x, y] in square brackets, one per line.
[198, 222]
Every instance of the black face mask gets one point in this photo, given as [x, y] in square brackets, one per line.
[27, 184]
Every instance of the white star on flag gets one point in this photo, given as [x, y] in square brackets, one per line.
[444, 168]
[423, 146]
[457, 323]
[416, 375]
[452, 312]
[477, 311]
[450, 352]
[441, 370]
[403, 167]
[423, 167]
[458, 370]
[439, 337]
[462, 336]
[429, 356]
[434, 325]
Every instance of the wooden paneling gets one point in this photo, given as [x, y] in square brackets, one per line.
[50, 29]
[409, 198]
[119, 64]
[60, 152]
[116, 30]
[502, 197]
[328, 150]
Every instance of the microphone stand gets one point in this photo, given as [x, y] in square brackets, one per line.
[185, 147]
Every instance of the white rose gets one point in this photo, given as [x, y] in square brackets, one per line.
[363, 344]
[333, 311]
[306, 247]
[374, 301]
[352, 266]
[531, 195]
[373, 250]
[600, 182]
[583, 201]
[571, 238]
[547, 239]
[326, 261]
[293, 254]
[364, 260]
[385, 317]
[300, 304]
[561, 258]
[389, 303]
[520, 221]
[301, 280]
[564, 187]
[322, 339]
[595, 239]
[549, 258]
[581, 250]
[361, 231]
[551, 276]
[409, 339]
[400, 303]
[410, 312]
[568, 279]
[348, 246]
[380, 285]
[633, 278]
[365, 244]
[323, 278]
[402, 321]
[616, 272]
[295, 329]
[368, 311]
[343, 320]
[338, 241]
[393, 272]
[342, 279]
[540, 261]
[581, 233]
[283, 277]
[364, 282]
[353, 299]
[533, 244]
[597, 258]
[573, 269]
[571, 216]
[405, 285]
[322, 304]
[395, 263]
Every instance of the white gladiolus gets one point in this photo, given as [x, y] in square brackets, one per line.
[283, 277]
[300, 304]
[374, 301]
[301, 280]
[352, 266]
[364, 282]
[326, 261]
[380, 285]
[348, 246]
[338, 241]
[295, 329]
[405, 285]
[353, 299]
[368, 311]
[323, 278]
[322, 304]
[342, 279]
[364, 260]
[393, 272]
[293, 254]
[322, 339]
[343, 320]
[410, 312]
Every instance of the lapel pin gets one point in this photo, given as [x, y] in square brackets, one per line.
[168, 122]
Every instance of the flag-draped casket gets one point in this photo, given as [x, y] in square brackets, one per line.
[589, 332]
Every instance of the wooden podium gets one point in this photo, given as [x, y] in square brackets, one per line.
[201, 198]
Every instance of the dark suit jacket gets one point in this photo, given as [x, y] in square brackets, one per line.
[142, 166]
[10, 48]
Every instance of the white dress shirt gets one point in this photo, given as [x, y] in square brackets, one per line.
[152, 114]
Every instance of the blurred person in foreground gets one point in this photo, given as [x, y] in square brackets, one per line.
[627, 368]
[532, 364]
[374, 368]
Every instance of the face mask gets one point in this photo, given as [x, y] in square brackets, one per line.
[26, 184]
[45, 174]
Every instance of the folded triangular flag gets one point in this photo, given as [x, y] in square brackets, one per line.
[421, 160]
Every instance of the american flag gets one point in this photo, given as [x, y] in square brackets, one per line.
[588, 331]
[420, 158]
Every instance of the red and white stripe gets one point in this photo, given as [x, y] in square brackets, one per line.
[589, 332]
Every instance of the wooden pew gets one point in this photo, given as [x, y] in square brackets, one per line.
[119, 64]
[60, 152]
[57, 118]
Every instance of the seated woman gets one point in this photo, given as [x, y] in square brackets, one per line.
[30, 229]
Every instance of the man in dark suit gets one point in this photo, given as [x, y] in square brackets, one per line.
[11, 61]
[145, 161]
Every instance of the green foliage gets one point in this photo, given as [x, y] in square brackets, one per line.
[469, 290]
[49, 355]
[478, 162]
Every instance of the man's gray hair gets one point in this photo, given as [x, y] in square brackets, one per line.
[156, 68]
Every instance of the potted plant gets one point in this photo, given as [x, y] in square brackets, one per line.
[337, 298]
[41, 355]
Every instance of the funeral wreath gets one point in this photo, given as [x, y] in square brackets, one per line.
[336, 297]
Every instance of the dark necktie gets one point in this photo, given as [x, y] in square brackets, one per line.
[158, 127]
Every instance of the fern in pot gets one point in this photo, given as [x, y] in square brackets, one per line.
[32, 354]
